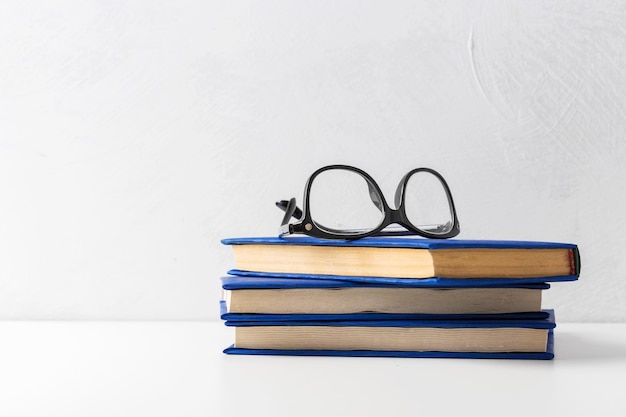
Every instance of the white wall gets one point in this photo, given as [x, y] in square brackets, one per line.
[135, 135]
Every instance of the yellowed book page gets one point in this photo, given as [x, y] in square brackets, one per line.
[392, 338]
[330, 260]
[384, 300]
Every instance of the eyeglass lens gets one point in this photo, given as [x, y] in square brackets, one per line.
[426, 203]
[340, 201]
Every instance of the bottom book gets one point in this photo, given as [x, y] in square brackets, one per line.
[506, 339]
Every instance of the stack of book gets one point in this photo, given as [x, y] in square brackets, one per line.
[394, 297]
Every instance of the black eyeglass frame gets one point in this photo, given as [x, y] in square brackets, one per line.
[306, 224]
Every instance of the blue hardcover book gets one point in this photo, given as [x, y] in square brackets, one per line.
[270, 298]
[504, 339]
[407, 261]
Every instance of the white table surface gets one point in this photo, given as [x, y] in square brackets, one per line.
[178, 369]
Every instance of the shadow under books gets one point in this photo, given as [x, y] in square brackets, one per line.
[573, 346]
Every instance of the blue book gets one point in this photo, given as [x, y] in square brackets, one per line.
[270, 298]
[462, 338]
[407, 261]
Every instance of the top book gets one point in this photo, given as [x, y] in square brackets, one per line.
[406, 258]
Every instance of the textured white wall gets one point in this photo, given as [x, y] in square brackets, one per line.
[135, 135]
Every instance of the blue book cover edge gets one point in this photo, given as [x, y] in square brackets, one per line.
[412, 282]
[399, 242]
[263, 318]
[494, 321]
[247, 281]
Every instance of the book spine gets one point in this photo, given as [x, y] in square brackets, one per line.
[574, 261]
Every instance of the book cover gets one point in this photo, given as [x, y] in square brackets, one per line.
[432, 282]
[266, 281]
[401, 242]
[546, 323]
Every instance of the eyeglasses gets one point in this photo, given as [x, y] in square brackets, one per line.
[344, 202]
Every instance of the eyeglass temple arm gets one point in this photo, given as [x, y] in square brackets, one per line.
[288, 206]
[297, 213]
[284, 205]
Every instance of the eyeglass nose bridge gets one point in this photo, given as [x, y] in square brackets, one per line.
[396, 216]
